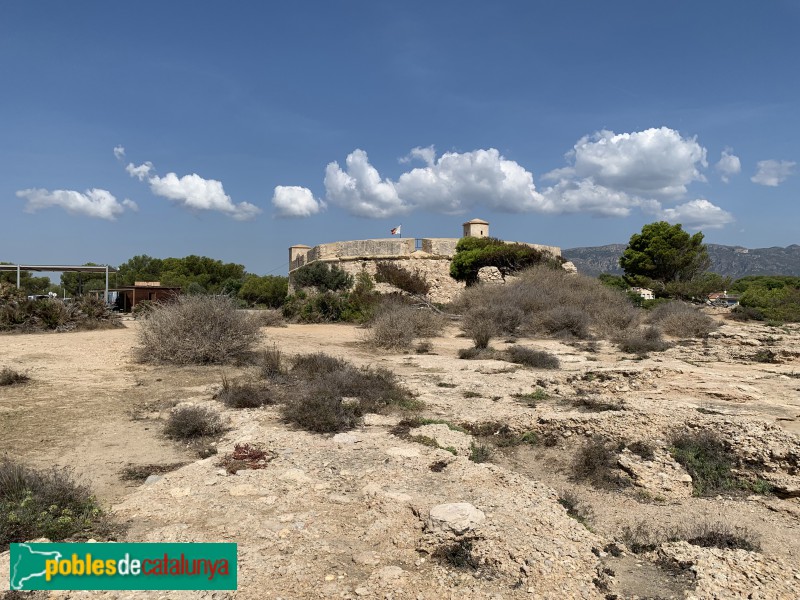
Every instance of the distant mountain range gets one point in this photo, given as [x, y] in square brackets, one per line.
[731, 261]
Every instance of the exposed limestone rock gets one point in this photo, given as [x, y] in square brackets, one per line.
[458, 518]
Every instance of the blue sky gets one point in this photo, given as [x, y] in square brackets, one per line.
[234, 130]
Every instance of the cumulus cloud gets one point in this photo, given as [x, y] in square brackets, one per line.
[606, 174]
[141, 172]
[192, 192]
[728, 165]
[195, 193]
[295, 201]
[773, 172]
[698, 214]
[360, 190]
[656, 163]
[119, 152]
[96, 203]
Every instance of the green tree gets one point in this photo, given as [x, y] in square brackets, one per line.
[322, 276]
[269, 290]
[473, 253]
[663, 254]
[27, 282]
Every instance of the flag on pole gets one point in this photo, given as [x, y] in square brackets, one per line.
[396, 230]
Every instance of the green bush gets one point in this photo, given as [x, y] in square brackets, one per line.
[473, 253]
[269, 290]
[596, 462]
[322, 276]
[49, 504]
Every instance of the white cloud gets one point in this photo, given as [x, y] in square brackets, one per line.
[195, 193]
[119, 152]
[728, 165]
[657, 163]
[295, 201]
[698, 214]
[192, 192]
[773, 172]
[360, 190]
[96, 203]
[607, 174]
[426, 155]
[141, 172]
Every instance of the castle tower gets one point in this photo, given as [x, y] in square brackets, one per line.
[476, 228]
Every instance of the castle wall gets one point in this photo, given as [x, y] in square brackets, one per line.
[432, 261]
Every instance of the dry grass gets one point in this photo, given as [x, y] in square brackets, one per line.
[641, 341]
[197, 330]
[11, 377]
[396, 325]
[645, 536]
[682, 320]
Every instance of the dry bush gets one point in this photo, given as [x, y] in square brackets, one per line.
[576, 508]
[646, 536]
[12, 377]
[411, 282]
[596, 462]
[191, 422]
[538, 359]
[397, 324]
[244, 394]
[480, 326]
[562, 322]
[682, 320]
[270, 363]
[551, 302]
[321, 410]
[270, 317]
[640, 340]
[197, 330]
[317, 364]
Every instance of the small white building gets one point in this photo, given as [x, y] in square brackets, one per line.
[644, 293]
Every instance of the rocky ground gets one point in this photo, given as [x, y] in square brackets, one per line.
[374, 513]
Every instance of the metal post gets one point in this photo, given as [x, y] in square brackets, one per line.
[17, 276]
[106, 284]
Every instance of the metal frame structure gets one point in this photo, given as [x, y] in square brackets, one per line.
[61, 268]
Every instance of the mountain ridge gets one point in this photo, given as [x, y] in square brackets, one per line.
[729, 261]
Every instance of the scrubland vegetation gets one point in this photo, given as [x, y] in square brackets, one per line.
[20, 314]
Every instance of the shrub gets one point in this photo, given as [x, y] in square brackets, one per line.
[197, 330]
[321, 410]
[645, 536]
[191, 422]
[322, 276]
[564, 322]
[682, 320]
[479, 325]
[396, 324]
[376, 389]
[12, 377]
[596, 462]
[459, 555]
[47, 504]
[643, 450]
[424, 347]
[270, 363]
[706, 459]
[479, 453]
[411, 282]
[529, 357]
[746, 313]
[270, 317]
[552, 302]
[246, 456]
[243, 395]
[576, 509]
[641, 341]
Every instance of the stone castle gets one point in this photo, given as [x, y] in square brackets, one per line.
[430, 257]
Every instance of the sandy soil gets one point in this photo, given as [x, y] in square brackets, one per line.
[90, 406]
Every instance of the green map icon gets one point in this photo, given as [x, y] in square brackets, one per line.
[28, 564]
